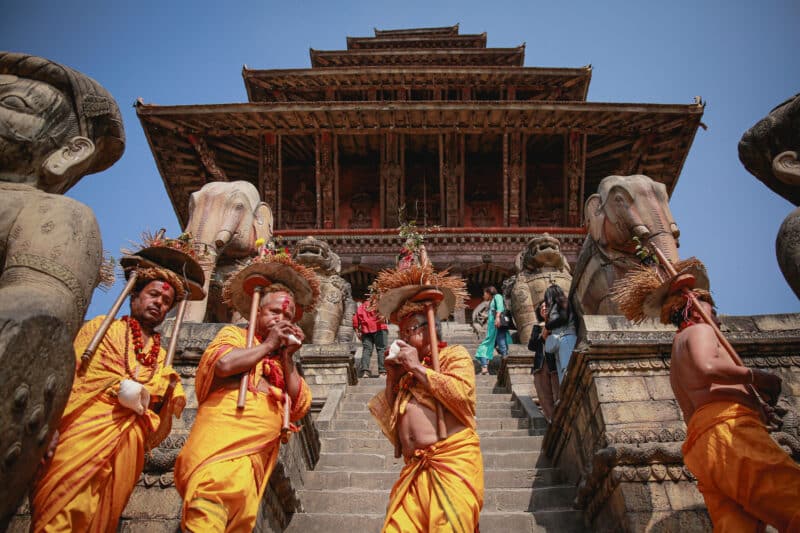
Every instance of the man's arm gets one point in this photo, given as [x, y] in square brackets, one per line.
[240, 360]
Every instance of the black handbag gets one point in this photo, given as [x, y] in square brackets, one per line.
[507, 320]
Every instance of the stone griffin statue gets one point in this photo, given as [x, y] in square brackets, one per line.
[56, 126]
[623, 207]
[331, 321]
[769, 150]
[540, 265]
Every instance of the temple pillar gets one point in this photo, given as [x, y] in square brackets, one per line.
[391, 178]
[505, 179]
[325, 178]
[269, 170]
[514, 175]
[451, 152]
[574, 170]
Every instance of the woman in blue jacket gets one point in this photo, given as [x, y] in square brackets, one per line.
[495, 335]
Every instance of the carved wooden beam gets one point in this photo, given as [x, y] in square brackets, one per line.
[269, 170]
[207, 157]
[574, 170]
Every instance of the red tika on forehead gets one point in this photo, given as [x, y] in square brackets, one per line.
[165, 286]
[285, 304]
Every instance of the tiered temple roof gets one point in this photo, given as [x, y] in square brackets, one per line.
[492, 151]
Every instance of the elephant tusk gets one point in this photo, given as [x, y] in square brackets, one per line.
[222, 238]
[641, 231]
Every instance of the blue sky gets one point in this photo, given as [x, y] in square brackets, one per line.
[740, 58]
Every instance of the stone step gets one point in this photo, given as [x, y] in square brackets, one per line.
[384, 480]
[562, 521]
[375, 433]
[356, 501]
[484, 423]
[559, 520]
[386, 461]
[481, 411]
[356, 395]
[496, 444]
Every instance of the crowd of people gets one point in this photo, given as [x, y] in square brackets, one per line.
[122, 405]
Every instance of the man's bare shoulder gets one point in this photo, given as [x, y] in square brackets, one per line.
[696, 332]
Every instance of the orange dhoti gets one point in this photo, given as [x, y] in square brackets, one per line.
[225, 465]
[745, 477]
[440, 488]
[101, 447]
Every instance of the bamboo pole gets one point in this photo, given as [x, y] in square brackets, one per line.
[441, 426]
[710, 321]
[173, 345]
[88, 353]
[251, 333]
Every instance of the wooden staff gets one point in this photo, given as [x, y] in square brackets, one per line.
[88, 353]
[173, 344]
[287, 407]
[251, 333]
[431, 297]
[710, 321]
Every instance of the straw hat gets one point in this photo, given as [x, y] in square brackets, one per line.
[394, 291]
[172, 260]
[272, 268]
[648, 292]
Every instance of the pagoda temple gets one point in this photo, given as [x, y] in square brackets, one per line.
[476, 146]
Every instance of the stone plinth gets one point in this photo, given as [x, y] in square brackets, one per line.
[618, 430]
[327, 367]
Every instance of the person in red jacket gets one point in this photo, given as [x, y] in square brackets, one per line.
[373, 332]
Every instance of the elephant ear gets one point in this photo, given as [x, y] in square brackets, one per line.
[595, 217]
[262, 222]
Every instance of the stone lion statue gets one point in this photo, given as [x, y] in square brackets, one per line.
[540, 265]
[331, 321]
[769, 150]
[56, 126]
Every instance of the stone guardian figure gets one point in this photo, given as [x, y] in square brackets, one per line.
[56, 126]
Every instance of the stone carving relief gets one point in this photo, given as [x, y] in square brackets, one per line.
[769, 150]
[56, 126]
[225, 219]
[331, 320]
[623, 207]
[540, 265]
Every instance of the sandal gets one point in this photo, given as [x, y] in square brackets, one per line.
[484, 371]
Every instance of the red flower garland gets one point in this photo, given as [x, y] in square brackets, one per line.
[150, 358]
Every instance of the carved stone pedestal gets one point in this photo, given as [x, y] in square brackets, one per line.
[618, 430]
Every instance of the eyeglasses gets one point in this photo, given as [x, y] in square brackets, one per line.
[412, 330]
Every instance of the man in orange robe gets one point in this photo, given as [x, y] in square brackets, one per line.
[746, 479]
[441, 485]
[101, 443]
[225, 465]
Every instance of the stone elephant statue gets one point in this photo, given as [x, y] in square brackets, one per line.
[56, 125]
[540, 265]
[623, 207]
[225, 219]
[331, 321]
[769, 150]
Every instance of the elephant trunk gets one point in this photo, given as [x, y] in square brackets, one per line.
[222, 238]
[667, 244]
[196, 311]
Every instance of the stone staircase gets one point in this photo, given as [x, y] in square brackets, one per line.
[349, 489]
